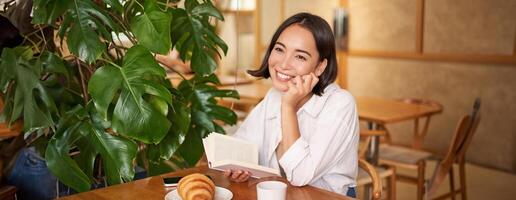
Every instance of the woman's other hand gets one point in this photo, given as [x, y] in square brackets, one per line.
[237, 175]
[298, 88]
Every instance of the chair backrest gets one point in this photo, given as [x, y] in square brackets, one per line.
[457, 150]
[375, 178]
[365, 140]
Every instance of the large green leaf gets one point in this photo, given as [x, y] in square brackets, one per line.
[207, 9]
[204, 105]
[84, 23]
[133, 116]
[115, 4]
[192, 149]
[57, 155]
[180, 118]
[54, 64]
[194, 36]
[117, 153]
[29, 97]
[78, 128]
[46, 11]
[152, 29]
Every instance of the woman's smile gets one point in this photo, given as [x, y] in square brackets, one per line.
[283, 77]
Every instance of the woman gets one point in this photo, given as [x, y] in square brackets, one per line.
[306, 126]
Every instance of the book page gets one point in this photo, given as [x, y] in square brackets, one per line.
[224, 152]
[220, 147]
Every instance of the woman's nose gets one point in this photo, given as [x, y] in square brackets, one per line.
[285, 63]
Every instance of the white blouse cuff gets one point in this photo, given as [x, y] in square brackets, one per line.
[293, 156]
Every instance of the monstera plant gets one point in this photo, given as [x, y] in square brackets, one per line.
[108, 106]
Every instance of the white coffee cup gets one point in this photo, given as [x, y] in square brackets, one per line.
[271, 190]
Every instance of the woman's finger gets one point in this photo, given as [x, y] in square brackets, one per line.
[307, 82]
[244, 176]
[315, 80]
[236, 174]
[291, 84]
[227, 173]
[299, 82]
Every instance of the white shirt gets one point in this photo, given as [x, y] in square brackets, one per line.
[325, 156]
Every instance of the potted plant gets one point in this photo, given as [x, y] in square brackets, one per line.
[112, 103]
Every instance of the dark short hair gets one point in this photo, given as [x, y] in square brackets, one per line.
[324, 40]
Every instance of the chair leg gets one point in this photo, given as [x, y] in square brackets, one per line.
[421, 180]
[452, 184]
[462, 173]
[392, 184]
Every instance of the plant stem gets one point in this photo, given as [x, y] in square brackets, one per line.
[143, 8]
[33, 43]
[72, 91]
[43, 36]
[175, 71]
[83, 85]
[108, 61]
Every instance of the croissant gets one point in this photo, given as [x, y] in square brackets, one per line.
[196, 187]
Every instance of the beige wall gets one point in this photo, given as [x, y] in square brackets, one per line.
[457, 27]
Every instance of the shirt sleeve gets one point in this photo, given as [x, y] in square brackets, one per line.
[335, 142]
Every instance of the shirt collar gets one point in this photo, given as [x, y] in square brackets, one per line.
[313, 106]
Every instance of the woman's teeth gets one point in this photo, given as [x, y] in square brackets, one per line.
[283, 76]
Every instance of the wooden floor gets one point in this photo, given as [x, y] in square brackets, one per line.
[482, 183]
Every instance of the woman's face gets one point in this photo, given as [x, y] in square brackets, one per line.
[294, 54]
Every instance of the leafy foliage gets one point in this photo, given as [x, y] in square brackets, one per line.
[133, 116]
[28, 96]
[111, 103]
[194, 37]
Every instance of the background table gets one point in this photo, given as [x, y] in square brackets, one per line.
[378, 111]
[152, 188]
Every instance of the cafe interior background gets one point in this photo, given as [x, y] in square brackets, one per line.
[447, 51]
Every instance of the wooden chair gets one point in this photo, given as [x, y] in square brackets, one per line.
[373, 178]
[419, 134]
[7, 192]
[456, 154]
[384, 172]
[416, 159]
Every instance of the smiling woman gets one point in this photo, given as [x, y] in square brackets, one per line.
[312, 139]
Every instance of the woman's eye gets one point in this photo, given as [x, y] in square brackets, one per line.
[278, 49]
[301, 57]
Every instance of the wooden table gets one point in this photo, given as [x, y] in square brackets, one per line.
[152, 188]
[378, 111]
[384, 111]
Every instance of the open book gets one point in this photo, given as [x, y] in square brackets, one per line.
[225, 152]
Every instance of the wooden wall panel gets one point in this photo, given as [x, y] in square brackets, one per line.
[270, 19]
[454, 85]
[325, 8]
[470, 26]
[383, 25]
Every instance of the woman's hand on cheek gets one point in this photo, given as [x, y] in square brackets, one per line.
[299, 87]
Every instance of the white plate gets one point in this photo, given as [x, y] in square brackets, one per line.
[220, 194]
